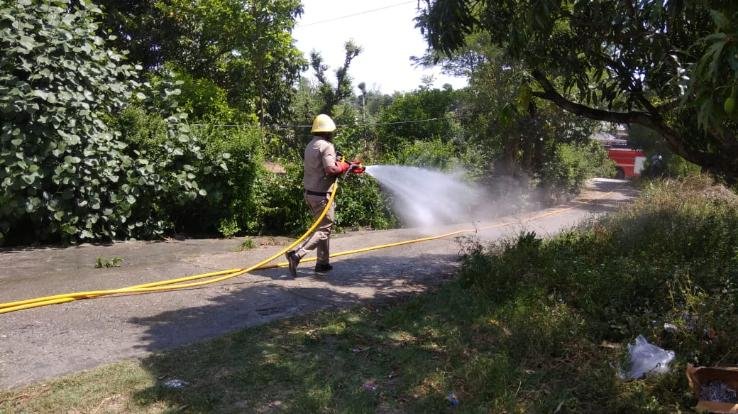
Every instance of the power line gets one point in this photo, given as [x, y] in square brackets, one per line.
[417, 121]
[357, 14]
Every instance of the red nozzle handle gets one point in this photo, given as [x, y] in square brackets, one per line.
[357, 167]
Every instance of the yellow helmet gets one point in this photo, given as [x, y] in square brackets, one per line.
[323, 123]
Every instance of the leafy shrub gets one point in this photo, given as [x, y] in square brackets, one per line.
[67, 174]
[247, 244]
[174, 156]
[357, 142]
[204, 100]
[480, 262]
[232, 161]
[359, 203]
[569, 165]
[281, 208]
[424, 114]
[104, 262]
[677, 166]
[228, 227]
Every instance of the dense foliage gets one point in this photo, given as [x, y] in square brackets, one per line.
[539, 146]
[670, 66]
[138, 119]
[66, 173]
[244, 47]
[424, 115]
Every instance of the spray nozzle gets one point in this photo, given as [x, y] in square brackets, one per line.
[357, 167]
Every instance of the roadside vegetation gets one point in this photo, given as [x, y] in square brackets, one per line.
[530, 325]
[160, 118]
[140, 120]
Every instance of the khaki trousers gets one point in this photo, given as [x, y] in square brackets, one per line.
[320, 238]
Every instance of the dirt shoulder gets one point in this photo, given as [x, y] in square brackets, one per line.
[45, 342]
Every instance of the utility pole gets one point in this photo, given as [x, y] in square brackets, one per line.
[362, 88]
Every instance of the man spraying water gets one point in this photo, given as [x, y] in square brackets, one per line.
[321, 168]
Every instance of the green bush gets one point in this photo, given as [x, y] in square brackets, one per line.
[424, 114]
[231, 163]
[357, 142]
[669, 166]
[205, 101]
[569, 165]
[67, 173]
[227, 166]
[104, 262]
[281, 208]
[359, 203]
[677, 166]
[247, 244]
[176, 154]
[228, 227]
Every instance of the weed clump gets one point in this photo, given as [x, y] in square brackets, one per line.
[105, 262]
[247, 244]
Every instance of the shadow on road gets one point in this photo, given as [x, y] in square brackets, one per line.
[353, 281]
[246, 304]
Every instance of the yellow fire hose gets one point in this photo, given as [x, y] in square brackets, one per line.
[178, 283]
[164, 284]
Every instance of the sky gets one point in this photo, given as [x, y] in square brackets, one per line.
[386, 32]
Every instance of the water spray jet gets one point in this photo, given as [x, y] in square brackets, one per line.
[422, 197]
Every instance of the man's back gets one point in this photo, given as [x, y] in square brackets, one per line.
[319, 154]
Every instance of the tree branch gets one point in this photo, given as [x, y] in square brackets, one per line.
[668, 106]
[723, 164]
[648, 120]
[647, 105]
[551, 94]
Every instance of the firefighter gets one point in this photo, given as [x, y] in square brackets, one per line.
[321, 168]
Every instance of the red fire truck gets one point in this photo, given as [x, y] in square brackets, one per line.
[628, 162]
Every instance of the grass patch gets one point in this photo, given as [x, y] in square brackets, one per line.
[247, 244]
[108, 262]
[531, 325]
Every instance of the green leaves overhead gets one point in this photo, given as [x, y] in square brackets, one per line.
[431, 107]
[245, 47]
[671, 66]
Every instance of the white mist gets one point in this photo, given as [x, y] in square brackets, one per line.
[423, 197]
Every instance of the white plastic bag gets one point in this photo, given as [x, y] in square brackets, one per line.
[647, 358]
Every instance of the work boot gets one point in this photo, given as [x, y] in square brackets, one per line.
[293, 260]
[323, 267]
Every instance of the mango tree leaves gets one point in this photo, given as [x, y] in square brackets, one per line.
[671, 66]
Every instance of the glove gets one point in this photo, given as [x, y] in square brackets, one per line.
[343, 166]
[357, 167]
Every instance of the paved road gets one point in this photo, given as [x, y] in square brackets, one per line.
[45, 342]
